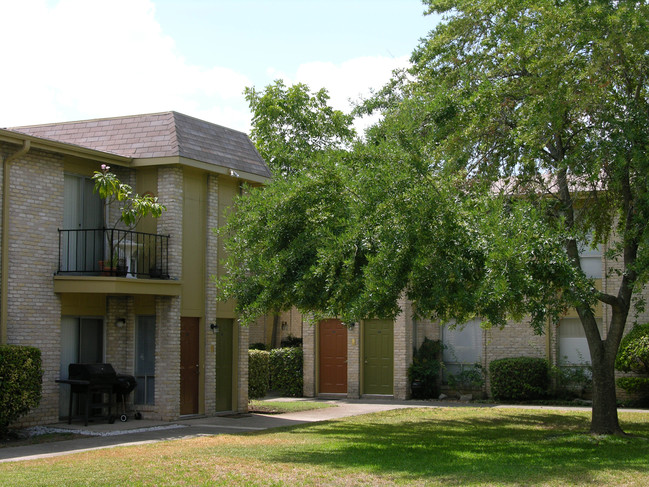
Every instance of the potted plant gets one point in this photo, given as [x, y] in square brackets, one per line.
[132, 208]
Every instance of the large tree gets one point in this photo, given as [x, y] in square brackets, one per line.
[520, 133]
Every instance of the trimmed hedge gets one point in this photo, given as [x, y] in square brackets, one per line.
[21, 378]
[286, 371]
[258, 377]
[519, 378]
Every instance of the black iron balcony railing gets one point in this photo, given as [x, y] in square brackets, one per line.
[113, 252]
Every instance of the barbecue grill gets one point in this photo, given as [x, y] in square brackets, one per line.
[99, 384]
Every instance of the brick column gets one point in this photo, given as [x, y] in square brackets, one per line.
[402, 350]
[354, 362]
[167, 357]
[309, 349]
[242, 366]
[211, 269]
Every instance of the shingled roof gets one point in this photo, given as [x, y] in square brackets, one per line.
[158, 135]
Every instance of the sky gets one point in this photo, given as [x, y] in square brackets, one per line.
[69, 60]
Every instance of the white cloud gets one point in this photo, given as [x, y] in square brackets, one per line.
[76, 59]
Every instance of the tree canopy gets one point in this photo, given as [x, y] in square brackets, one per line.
[519, 135]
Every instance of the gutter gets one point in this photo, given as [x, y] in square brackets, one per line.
[4, 278]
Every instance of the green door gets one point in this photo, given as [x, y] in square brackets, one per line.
[224, 356]
[378, 357]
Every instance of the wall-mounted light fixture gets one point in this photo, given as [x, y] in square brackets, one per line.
[284, 325]
[214, 327]
[120, 322]
[351, 325]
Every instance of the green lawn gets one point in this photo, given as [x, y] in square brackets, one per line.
[447, 446]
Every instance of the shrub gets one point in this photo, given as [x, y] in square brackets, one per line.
[572, 381]
[425, 369]
[21, 379]
[471, 378]
[258, 377]
[519, 378]
[633, 356]
[291, 341]
[286, 371]
[257, 346]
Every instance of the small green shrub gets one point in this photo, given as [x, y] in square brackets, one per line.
[257, 346]
[471, 378]
[633, 354]
[425, 369]
[21, 379]
[572, 381]
[519, 378]
[258, 373]
[291, 341]
[634, 385]
[286, 371]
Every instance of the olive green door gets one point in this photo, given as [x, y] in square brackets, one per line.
[378, 357]
[224, 356]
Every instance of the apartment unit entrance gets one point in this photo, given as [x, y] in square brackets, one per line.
[189, 365]
[378, 357]
[333, 356]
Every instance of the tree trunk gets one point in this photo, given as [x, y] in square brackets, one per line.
[604, 419]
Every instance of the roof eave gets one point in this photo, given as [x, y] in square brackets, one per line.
[18, 138]
[204, 166]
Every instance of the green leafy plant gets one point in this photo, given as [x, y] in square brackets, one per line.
[257, 346]
[519, 378]
[572, 381]
[258, 373]
[286, 376]
[471, 378]
[20, 383]
[633, 356]
[425, 368]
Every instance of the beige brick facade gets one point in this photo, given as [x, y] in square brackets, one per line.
[35, 309]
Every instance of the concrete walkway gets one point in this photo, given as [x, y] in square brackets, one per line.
[132, 432]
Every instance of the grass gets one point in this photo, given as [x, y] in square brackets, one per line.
[279, 407]
[428, 446]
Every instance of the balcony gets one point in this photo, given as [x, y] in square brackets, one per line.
[114, 261]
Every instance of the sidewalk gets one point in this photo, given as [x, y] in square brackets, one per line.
[104, 435]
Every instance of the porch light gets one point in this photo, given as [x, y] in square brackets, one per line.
[214, 327]
[120, 323]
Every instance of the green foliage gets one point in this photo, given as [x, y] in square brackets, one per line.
[520, 130]
[290, 125]
[519, 378]
[257, 346]
[286, 371]
[633, 354]
[471, 378]
[291, 341]
[258, 373]
[635, 385]
[20, 383]
[572, 381]
[133, 207]
[425, 369]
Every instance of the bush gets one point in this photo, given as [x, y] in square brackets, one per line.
[286, 371]
[291, 341]
[21, 378]
[257, 346]
[634, 385]
[258, 377]
[519, 378]
[471, 378]
[425, 369]
[633, 354]
[574, 381]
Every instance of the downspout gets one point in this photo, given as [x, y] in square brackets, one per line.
[4, 278]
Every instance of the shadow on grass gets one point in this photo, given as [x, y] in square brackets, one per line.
[476, 446]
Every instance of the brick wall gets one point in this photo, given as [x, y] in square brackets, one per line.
[34, 311]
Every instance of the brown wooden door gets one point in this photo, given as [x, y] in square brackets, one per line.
[189, 365]
[333, 356]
